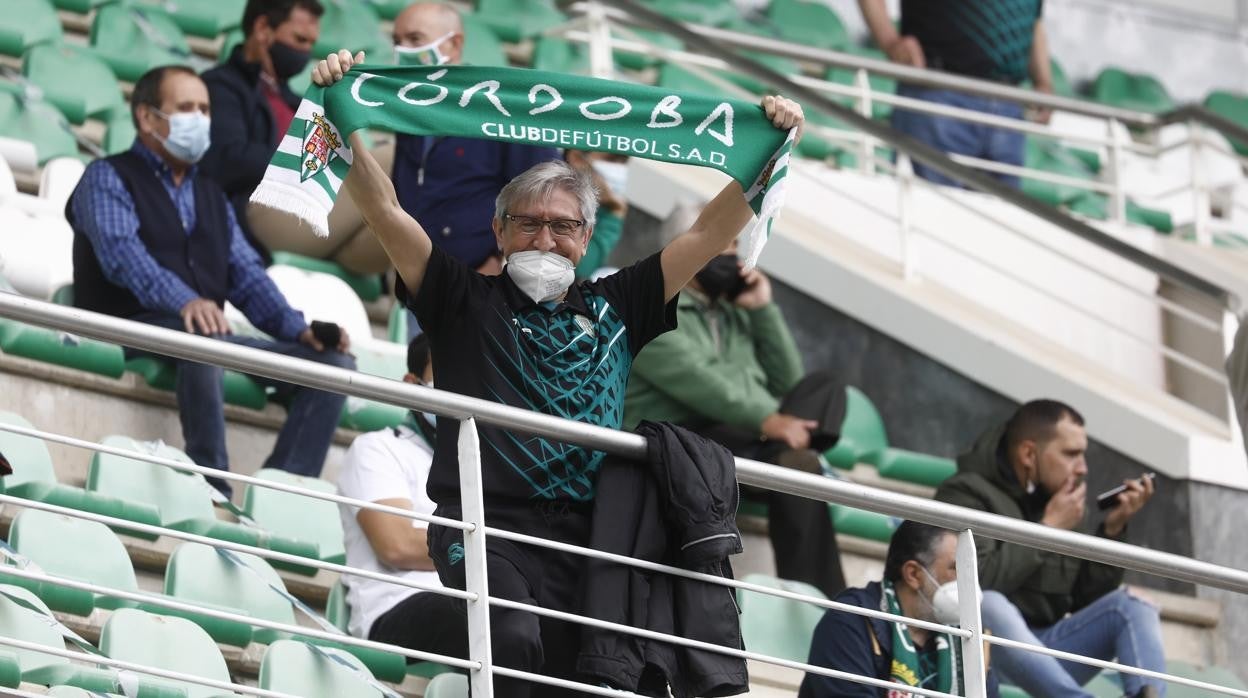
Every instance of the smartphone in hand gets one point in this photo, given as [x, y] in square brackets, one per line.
[1109, 498]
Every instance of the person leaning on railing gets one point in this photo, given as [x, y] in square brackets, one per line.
[1033, 468]
[920, 581]
[532, 339]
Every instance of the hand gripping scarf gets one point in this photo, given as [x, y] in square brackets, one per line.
[907, 669]
[525, 106]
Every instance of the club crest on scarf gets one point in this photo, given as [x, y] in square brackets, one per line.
[320, 144]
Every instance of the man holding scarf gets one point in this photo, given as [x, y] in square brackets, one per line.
[532, 339]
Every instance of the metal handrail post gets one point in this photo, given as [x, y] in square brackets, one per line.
[1118, 196]
[866, 153]
[974, 667]
[905, 227]
[480, 680]
[1200, 194]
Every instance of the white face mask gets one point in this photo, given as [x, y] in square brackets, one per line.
[944, 601]
[542, 276]
[189, 137]
[426, 54]
[614, 175]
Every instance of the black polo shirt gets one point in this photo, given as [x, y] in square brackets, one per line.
[571, 359]
[988, 39]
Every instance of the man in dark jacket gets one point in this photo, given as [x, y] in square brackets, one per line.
[921, 565]
[252, 102]
[1033, 468]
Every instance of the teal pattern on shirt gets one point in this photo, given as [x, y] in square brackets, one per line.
[1003, 29]
[568, 366]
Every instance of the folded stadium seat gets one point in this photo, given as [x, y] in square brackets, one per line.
[182, 499]
[517, 20]
[1137, 91]
[396, 325]
[366, 286]
[447, 685]
[165, 642]
[388, 9]
[119, 134]
[75, 80]
[878, 83]
[25, 23]
[206, 18]
[296, 668]
[339, 613]
[58, 180]
[1046, 155]
[910, 466]
[353, 25]
[637, 61]
[712, 13]
[24, 116]
[199, 575]
[862, 432]
[481, 44]
[80, 7]
[36, 246]
[314, 522]
[322, 296]
[776, 626]
[557, 55]
[863, 524]
[780, 64]
[1232, 106]
[1096, 206]
[76, 549]
[809, 23]
[60, 348]
[384, 360]
[133, 38]
[161, 374]
[34, 478]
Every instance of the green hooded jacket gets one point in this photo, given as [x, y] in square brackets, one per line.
[1044, 586]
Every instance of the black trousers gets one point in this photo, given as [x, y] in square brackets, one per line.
[424, 622]
[528, 574]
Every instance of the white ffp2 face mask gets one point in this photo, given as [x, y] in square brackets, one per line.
[945, 601]
[542, 276]
[425, 54]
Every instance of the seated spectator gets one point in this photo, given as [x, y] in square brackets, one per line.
[1033, 468]
[920, 575]
[252, 98]
[391, 467]
[156, 242]
[723, 372]
[610, 174]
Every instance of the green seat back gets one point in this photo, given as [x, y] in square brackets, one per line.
[133, 39]
[1096, 205]
[198, 573]
[388, 9]
[396, 326]
[206, 18]
[352, 25]
[293, 667]
[878, 83]
[161, 374]
[75, 80]
[31, 461]
[780, 64]
[862, 523]
[295, 516]
[862, 432]
[76, 549]
[1231, 106]
[678, 78]
[809, 23]
[21, 623]
[165, 642]
[81, 7]
[119, 134]
[62, 349]
[909, 466]
[178, 495]
[336, 609]
[1061, 83]
[637, 61]
[775, 626]
[25, 117]
[447, 686]
[557, 55]
[366, 286]
[516, 20]
[1046, 155]
[1138, 91]
[481, 44]
[713, 13]
[24, 23]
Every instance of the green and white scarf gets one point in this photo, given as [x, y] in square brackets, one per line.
[906, 668]
[525, 106]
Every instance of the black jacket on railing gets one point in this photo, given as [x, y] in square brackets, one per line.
[679, 508]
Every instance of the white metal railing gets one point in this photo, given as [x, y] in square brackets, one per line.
[965, 522]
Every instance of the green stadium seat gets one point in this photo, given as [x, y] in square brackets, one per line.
[809, 23]
[200, 575]
[80, 7]
[517, 20]
[314, 522]
[557, 55]
[336, 609]
[353, 25]
[367, 415]
[862, 432]
[714, 13]
[817, 147]
[75, 692]
[206, 18]
[298, 669]
[396, 325]
[24, 116]
[637, 61]
[1048, 156]
[481, 45]
[1137, 91]
[19, 622]
[119, 134]
[388, 9]
[447, 686]
[34, 478]
[10, 670]
[784, 66]
[878, 83]
[909, 466]
[133, 39]
[775, 626]
[26, 23]
[183, 499]
[1096, 206]
[161, 374]
[679, 78]
[165, 642]
[75, 80]
[76, 549]
[1231, 106]
[863, 524]
[61, 348]
[366, 286]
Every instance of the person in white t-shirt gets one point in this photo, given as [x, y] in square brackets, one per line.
[390, 467]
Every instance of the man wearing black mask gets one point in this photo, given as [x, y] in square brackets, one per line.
[728, 371]
[253, 104]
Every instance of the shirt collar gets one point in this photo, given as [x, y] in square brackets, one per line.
[158, 164]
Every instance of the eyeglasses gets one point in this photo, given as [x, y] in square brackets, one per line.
[559, 227]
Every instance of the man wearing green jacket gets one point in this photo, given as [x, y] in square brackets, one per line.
[723, 373]
[1033, 468]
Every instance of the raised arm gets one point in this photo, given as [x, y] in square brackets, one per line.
[404, 240]
[723, 218]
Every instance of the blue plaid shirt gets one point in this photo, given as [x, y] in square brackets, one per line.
[105, 213]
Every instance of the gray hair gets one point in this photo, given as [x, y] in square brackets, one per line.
[540, 181]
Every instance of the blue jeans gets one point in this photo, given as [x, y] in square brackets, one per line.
[951, 135]
[311, 415]
[1117, 625]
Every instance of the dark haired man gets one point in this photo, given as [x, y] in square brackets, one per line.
[1033, 468]
[920, 575]
[156, 242]
[252, 97]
